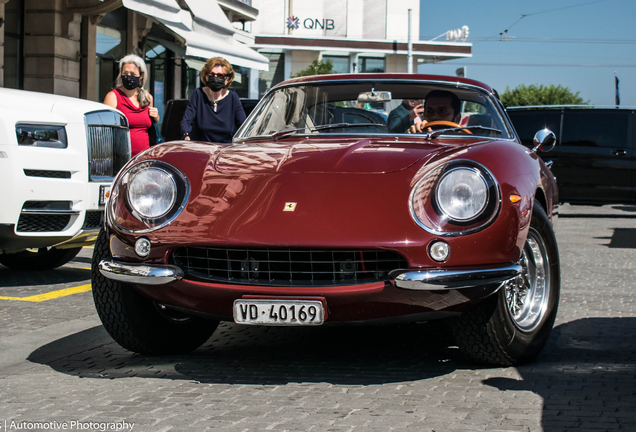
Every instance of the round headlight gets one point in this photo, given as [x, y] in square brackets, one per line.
[152, 192]
[462, 194]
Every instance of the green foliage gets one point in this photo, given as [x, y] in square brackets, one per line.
[316, 68]
[524, 95]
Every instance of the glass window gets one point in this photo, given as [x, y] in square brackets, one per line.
[340, 64]
[379, 107]
[528, 123]
[272, 76]
[241, 83]
[110, 47]
[156, 61]
[371, 64]
[13, 40]
[595, 128]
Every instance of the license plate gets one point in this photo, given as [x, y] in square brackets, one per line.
[279, 312]
[104, 194]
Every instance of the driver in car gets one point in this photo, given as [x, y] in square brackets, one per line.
[440, 105]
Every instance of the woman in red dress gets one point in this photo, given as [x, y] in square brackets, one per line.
[134, 101]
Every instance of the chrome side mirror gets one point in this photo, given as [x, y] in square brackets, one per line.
[544, 140]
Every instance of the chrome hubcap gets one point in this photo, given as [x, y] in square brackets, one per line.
[527, 294]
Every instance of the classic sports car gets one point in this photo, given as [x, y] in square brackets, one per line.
[318, 214]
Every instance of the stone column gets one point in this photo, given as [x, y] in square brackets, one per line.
[52, 48]
[88, 67]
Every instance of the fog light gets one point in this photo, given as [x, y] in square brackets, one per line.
[142, 247]
[439, 251]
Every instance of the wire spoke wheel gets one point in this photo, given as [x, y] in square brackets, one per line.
[527, 295]
[513, 326]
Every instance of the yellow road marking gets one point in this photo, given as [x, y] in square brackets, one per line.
[51, 295]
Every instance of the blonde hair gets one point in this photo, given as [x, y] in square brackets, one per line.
[143, 96]
[214, 62]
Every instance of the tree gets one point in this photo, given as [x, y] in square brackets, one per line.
[524, 95]
[317, 67]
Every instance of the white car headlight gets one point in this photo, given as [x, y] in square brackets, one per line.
[152, 192]
[456, 198]
[462, 193]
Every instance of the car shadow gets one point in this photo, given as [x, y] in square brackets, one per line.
[61, 275]
[600, 215]
[623, 238]
[586, 376]
[269, 356]
[586, 373]
[596, 216]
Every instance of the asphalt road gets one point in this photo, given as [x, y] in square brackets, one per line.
[59, 370]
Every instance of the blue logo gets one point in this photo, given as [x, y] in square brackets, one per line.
[293, 23]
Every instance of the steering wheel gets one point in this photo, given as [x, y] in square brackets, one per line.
[441, 124]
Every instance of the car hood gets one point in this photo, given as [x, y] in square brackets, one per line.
[333, 155]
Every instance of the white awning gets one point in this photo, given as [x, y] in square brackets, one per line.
[167, 10]
[209, 14]
[208, 42]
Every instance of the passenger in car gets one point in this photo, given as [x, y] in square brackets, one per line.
[406, 114]
[440, 105]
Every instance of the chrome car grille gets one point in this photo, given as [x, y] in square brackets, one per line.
[108, 144]
[287, 267]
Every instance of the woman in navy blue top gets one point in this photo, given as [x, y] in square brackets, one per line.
[213, 113]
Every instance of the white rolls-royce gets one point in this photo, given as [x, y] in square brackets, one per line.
[58, 157]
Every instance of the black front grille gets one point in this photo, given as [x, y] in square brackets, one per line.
[93, 219]
[42, 222]
[47, 173]
[288, 267]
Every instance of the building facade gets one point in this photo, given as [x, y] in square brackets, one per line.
[71, 47]
[356, 35]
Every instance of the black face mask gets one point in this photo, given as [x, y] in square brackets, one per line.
[130, 82]
[216, 84]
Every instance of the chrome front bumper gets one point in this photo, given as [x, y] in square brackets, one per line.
[448, 279]
[140, 273]
[421, 280]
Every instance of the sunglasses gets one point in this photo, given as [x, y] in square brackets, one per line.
[218, 75]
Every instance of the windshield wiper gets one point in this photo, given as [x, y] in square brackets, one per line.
[435, 134]
[282, 133]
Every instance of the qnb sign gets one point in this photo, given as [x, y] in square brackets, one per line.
[293, 23]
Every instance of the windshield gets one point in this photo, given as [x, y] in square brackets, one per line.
[374, 107]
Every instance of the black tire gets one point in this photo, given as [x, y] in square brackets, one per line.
[43, 259]
[512, 326]
[136, 322]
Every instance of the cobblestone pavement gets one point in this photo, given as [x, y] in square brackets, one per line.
[57, 364]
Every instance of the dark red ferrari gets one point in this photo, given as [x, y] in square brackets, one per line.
[342, 199]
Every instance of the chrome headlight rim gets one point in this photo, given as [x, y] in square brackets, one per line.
[120, 191]
[437, 222]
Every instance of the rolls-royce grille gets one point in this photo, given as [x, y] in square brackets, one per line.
[42, 222]
[93, 219]
[287, 267]
[109, 150]
[47, 173]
